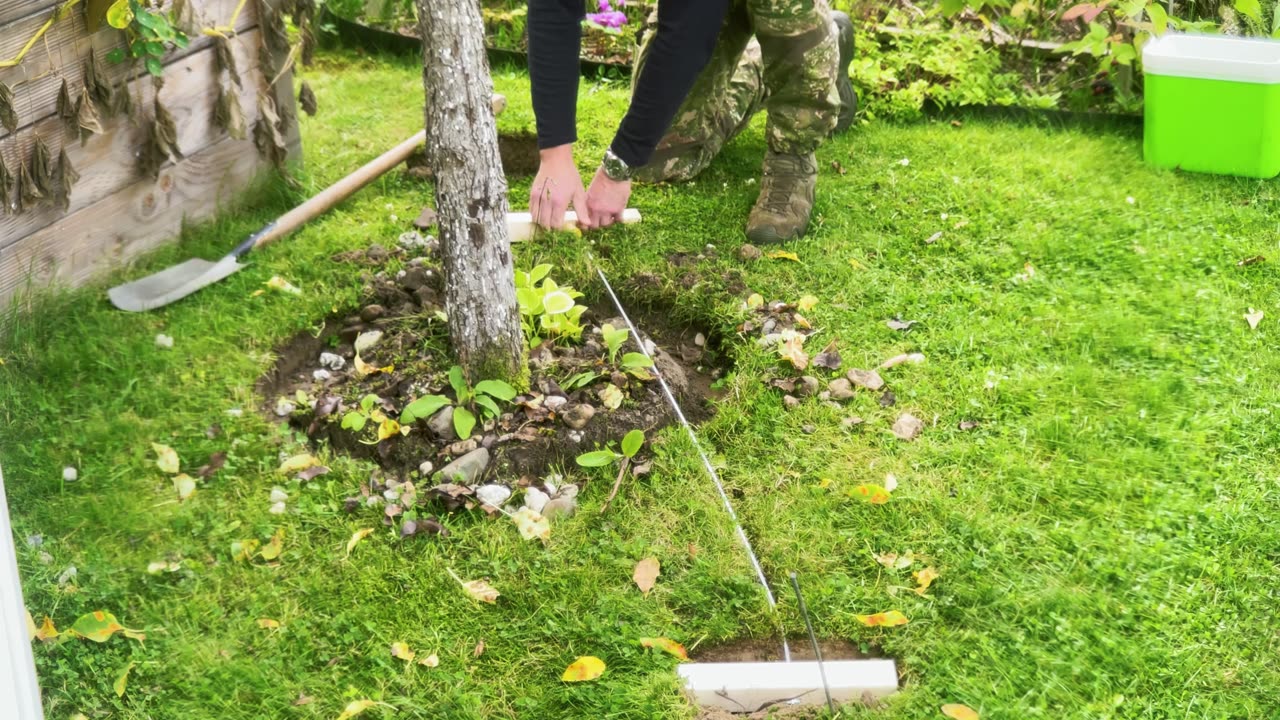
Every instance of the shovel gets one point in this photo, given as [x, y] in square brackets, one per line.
[179, 281]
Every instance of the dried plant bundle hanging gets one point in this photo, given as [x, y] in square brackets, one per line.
[87, 120]
[67, 107]
[8, 113]
[307, 100]
[228, 115]
[227, 59]
[42, 168]
[6, 187]
[68, 176]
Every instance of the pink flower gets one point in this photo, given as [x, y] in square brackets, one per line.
[612, 19]
[605, 6]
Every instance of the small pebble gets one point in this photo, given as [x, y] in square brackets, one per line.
[277, 509]
[555, 402]
[45, 558]
[285, 408]
[807, 386]
[840, 389]
[35, 540]
[321, 375]
[576, 436]
[808, 429]
[426, 467]
[164, 341]
[535, 499]
[70, 474]
[373, 500]
[790, 402]
[68, 575]
[332, 361]
[749, 252]
[235, 412]
[278, 495]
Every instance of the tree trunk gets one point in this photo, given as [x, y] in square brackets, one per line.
[471, 193]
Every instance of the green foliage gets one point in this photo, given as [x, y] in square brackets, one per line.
[547, 309]
[632, 442]
[149, 34]
[484, 398]
[597, 458]
[613, 339]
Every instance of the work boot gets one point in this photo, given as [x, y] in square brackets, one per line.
[848, 96]
[786, 198]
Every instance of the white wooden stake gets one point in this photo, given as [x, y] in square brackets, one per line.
[19, 690]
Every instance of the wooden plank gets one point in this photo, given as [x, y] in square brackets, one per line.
[11, 10]
[63, 51]
[105, 235]
[108, 162]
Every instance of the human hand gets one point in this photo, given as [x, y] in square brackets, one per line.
[606, 199]
[557, 186]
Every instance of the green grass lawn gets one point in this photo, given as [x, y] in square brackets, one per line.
[1106, 538]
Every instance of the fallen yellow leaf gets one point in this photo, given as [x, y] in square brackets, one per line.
[185, 485]
[389, 428]
[402, 651]
[783, 255]
[896, 561]
[478, 589]
[806, 303]
[792, 350]
[431, 660]
[364, 369]
[281, 285]
[166, 458]
[874, 494]
[46, 631]
[32, 631]
[122, 681]
[298, 463]
[666, 645]
[956, 711]
[356, 707]
[755, 300]
[244, 549]
[924, 578]
[853, 263]
[268, 624]
[274, 546]
[892, 618]
[646, 574]
[531, 524]
[356, 537]
[583, 669]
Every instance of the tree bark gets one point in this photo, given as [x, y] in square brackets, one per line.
[471, 193]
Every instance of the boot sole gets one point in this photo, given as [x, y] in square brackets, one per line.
[770, 236]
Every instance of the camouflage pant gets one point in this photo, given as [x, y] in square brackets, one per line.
[780, 55]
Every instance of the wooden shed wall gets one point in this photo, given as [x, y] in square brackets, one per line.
[117, 211]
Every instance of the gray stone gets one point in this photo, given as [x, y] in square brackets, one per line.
[493, 495]
[578, 416]
[461, 448]
[414, 278]
[332, 361]
[560, 507]
[372, 312]
[868, 379]
[808, 386]
[467, 469]
[535, 499]
[426, 467]
[790, 402]
[554, 402]
[442, 425]
[840, 389]
[749, 252]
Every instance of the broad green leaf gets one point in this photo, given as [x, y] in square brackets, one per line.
[599, 458]
[354, 421]
[459, 383]
[497, 389]
[422, 408]
[557, 302]
[489, 405]
[1159, 18]
[636, 360]
[122, 681]
[463, 422]
[582, 379]
[150, 20]
[154, 66]
[1251, 9]
[116, 55]
[632, 443]
[97, 626]
[951, 7]
[874, 494]
[583, 669]
[120, 15]
[166, 458]
[539, 272]
[368, 401]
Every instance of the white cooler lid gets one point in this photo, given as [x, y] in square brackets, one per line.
[1213, 57]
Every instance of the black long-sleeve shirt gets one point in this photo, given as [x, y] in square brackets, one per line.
[685, 37]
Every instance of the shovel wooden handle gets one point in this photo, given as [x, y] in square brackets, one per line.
[346, 187]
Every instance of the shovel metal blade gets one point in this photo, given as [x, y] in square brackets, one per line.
[172, 284]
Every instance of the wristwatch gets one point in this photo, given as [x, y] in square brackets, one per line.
[614, 167]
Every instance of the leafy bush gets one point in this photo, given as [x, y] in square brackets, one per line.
[547, 308]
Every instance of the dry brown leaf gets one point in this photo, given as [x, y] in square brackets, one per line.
[479, 649]
[401, 650]
[432, 660]
[895, 561]
[646, 574]
[896, 360]
[478, 589]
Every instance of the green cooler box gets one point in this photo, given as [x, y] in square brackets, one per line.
[1213, 104]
